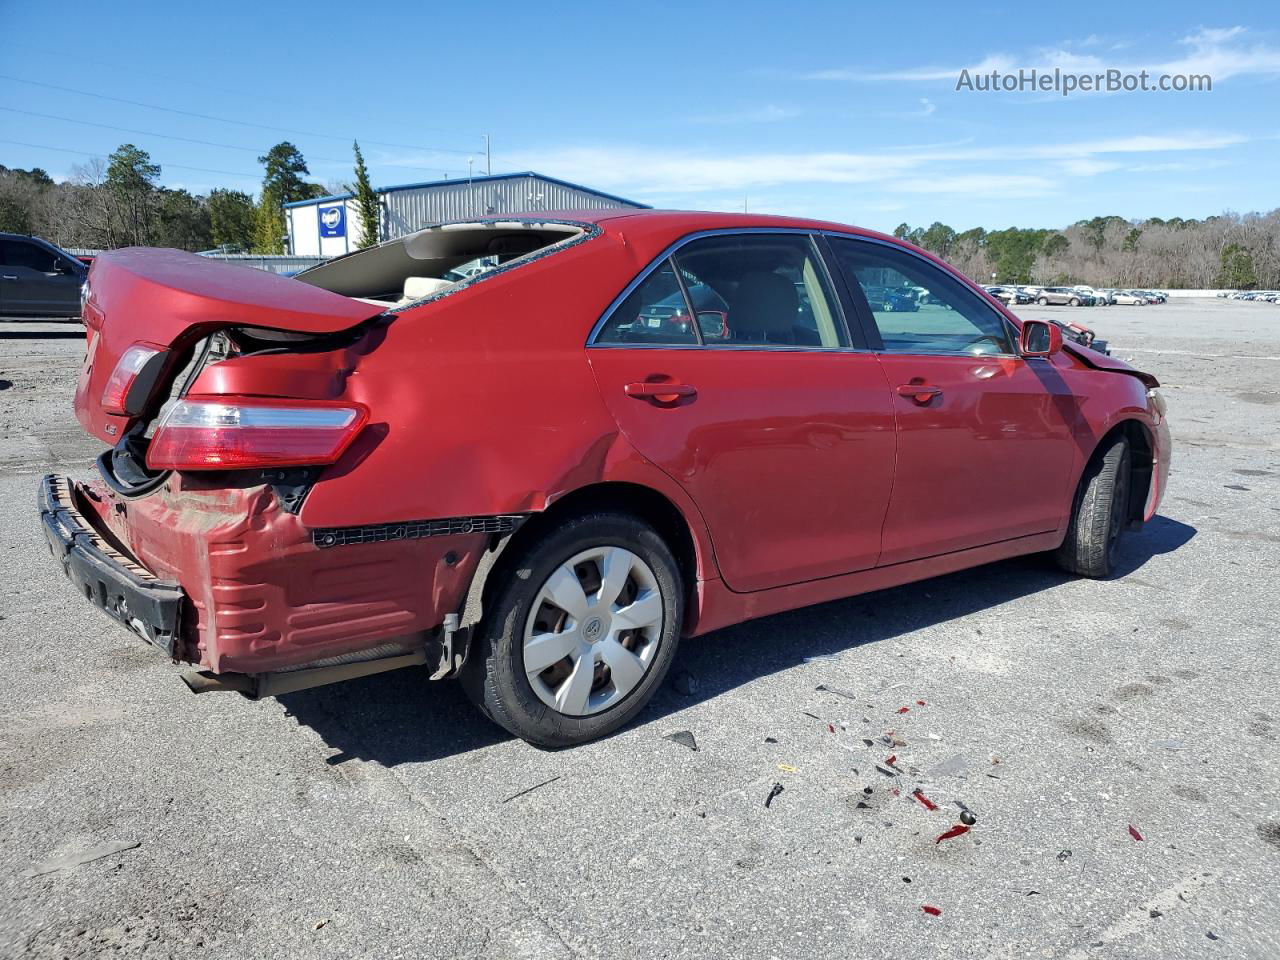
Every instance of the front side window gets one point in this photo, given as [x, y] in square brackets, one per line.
[20, 253]
[917, 307]
[762, 290]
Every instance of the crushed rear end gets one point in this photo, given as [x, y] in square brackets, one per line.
[226, 395]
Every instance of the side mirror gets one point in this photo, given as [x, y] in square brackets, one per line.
[1040, 338]
[713, 323]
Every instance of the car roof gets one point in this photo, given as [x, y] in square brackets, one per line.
[653, 230]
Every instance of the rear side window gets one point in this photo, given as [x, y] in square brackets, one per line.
[655, 312]
[918, 308]
[762, 290]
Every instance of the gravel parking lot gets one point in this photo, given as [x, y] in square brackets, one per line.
[1116, 742]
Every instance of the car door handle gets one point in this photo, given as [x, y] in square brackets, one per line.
[921, 393]
[659, 392]
[9, 276]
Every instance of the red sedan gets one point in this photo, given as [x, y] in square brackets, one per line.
[519, 450]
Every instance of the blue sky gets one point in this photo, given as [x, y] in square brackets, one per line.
[839, 110]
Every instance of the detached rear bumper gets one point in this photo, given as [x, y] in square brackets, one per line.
[121, 588]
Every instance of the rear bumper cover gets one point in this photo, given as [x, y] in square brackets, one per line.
[252, 590]
[124, 590]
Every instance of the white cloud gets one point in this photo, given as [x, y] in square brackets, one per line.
[988, 185]
[646, 171]
[770, 113]
[1221, 52]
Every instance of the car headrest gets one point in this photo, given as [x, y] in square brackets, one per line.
[763, 308]
[415, 288]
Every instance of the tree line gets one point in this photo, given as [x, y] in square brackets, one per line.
[1237, 251]
[119, 202]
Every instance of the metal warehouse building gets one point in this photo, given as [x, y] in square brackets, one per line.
[330, 226]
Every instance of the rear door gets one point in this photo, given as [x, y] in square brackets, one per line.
[985, 447]
[35, 280]
[760, 405]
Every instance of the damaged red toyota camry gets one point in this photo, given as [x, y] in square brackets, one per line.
[532, 453]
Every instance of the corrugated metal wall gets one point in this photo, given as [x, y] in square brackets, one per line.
[405, 211]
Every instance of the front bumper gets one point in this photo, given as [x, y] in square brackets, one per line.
[121, 588]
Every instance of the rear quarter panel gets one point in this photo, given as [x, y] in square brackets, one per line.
[483, 402]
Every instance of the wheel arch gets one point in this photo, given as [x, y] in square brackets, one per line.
[643, 502]
[1141, 465]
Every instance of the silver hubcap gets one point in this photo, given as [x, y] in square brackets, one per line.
[593, 631]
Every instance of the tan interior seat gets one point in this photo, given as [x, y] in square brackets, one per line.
[415, 288]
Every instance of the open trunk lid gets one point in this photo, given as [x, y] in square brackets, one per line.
[167, 300]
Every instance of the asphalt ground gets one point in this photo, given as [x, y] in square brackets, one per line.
[385, 817]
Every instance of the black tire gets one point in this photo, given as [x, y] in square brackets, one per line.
[1098, 515]
[494, 677]
[1043, 301]
[1074, 302]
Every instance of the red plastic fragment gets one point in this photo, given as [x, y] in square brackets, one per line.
[920, 703]
[893, 758]
[959, 830]
[1134, 833]
[831, 728]
[896, 792]
[904, 709]
[931, 911]
[925, 801]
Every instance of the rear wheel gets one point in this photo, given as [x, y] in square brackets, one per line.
[1099, 514]
[580, 633]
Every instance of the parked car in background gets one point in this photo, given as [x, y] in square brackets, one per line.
[1129, 299]
[517, 480]
[38, 279]
[1060, 296]
[1010, 295]
[892, 300]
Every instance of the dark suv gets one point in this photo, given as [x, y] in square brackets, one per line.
[38, 279]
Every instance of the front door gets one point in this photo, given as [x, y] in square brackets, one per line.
[985, 447]
[730, 367]
[37, 281]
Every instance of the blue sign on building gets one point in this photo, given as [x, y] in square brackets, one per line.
[333, 221]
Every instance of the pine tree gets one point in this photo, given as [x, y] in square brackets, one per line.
[368, 211]
[1238, 271]
[281, 184]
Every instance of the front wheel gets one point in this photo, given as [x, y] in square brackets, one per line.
[1074, 302]
[580, 633]
[1043, 301]
[1099, 514]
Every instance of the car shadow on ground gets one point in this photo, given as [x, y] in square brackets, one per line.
[401, 717]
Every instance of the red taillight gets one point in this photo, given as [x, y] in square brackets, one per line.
[225, 433]
[115, 395]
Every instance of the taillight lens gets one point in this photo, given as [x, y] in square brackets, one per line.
[233, 433]
[116, 393]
